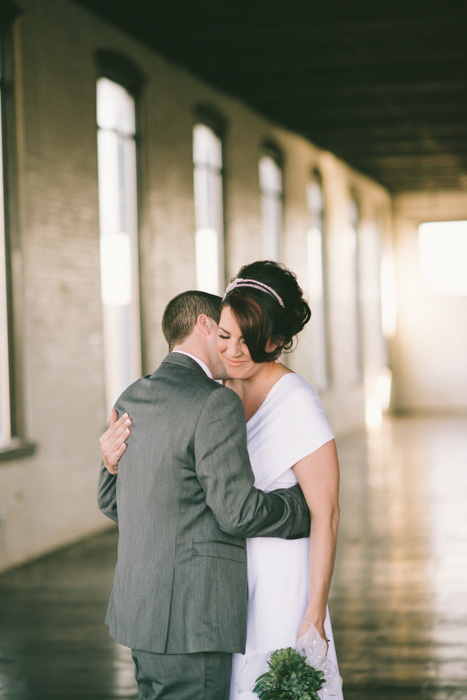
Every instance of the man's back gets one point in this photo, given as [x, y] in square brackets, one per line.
[173, 559]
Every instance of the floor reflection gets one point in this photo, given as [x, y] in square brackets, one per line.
[53, 644]
[398, 597]
[398, 603]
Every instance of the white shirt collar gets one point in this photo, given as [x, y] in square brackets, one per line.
[196, 359]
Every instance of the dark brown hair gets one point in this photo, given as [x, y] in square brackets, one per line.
[260, 316]
[181, 313]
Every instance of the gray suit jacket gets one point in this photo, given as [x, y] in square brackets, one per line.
[184, 501]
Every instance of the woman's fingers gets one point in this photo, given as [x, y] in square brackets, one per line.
[115, 423]
[112, 442]
[113, 416]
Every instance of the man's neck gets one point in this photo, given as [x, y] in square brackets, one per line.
[194, 349]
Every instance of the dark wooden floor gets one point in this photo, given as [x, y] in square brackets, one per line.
[399, 597]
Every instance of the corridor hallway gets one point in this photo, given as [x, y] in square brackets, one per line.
[399, 596]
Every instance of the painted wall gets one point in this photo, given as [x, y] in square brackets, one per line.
[430, 348]
[48, 500]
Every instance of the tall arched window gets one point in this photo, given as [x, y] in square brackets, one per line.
[12, 437]
[378, 376]
[271, 189]
[355, 349]
[118, 217]
[317, 284]
[5, 412]
[209, 209]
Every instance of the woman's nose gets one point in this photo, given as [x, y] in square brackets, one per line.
[234, 349]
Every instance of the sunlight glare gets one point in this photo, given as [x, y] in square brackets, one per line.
[443, 256]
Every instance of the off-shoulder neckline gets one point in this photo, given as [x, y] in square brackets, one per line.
[258, 410]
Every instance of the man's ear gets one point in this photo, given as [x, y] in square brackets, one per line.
[204, 324]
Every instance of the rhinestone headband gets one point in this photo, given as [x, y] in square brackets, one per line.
[240, 282]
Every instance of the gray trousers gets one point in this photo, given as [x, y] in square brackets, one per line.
[201, 676]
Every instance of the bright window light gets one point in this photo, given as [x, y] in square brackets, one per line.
[315, 268]
[118, 236]
[353, 254]
[207, 260]
[388, 294]
[270, 182]
[115, 108]
[209, 214]
[115, 269]
[378, 400]
[443, 256]
[320, 351]
[5, 430]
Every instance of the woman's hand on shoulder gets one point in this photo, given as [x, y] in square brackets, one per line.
[112, 442]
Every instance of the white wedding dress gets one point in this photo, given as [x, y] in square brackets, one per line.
[289, 425]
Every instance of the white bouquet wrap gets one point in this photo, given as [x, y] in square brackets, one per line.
[313, 647]
[305, 672]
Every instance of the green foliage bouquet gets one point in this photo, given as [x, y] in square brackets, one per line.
[289, 678]
[300, 674]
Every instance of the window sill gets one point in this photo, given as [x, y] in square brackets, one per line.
[16, 448]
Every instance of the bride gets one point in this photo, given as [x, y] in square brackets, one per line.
[289, 440]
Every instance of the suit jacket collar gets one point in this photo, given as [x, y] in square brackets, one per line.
[176, 358]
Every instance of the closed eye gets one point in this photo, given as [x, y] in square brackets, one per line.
[224, 337]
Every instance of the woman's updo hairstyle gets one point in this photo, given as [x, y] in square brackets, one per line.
[259, 314]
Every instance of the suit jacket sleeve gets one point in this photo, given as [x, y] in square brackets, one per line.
[107, 493]
[224, 471]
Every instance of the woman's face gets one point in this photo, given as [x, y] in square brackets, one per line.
[232, 349]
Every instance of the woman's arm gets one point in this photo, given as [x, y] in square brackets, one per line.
[318, 476]
[112, 442]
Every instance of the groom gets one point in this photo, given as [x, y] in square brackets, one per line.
[184, 501]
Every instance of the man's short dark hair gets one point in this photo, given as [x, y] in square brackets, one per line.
[182, 311]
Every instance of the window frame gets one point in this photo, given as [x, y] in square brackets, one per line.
[121, 70]
[357, 372]
[206, 115]
[17, 446]
[317, 178]
[270, 149]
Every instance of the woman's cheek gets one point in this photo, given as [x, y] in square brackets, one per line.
[220, 347]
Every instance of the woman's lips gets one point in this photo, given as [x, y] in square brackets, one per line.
[234, 363]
